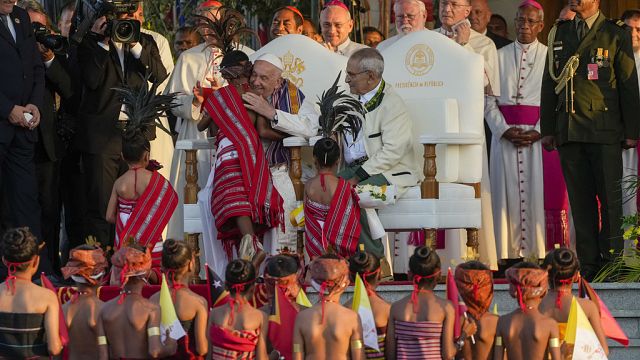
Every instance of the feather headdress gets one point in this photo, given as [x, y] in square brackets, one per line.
[227, 30]
[340, 112]
[144, 107]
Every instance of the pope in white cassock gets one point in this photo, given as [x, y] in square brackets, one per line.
[198, 64]
[516, 153]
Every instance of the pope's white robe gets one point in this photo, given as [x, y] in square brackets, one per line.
[517, 173]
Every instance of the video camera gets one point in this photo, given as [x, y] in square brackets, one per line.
[120, 30]
[57, 43]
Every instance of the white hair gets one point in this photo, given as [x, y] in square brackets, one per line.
[418, 3]
[369, 59]
[540, 12]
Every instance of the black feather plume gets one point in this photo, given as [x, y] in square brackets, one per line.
[227, 30]
[144, 107]
[340, 113]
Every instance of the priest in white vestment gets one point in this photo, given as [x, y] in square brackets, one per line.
[336, 25]
[516, 153]
[411, 15]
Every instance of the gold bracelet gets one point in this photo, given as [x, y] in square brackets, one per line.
[554, 343]
[297, 348]
[498, 341]
[154, 331]
[356, 344]
[102, 340]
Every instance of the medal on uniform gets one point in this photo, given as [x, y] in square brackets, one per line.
[592, 71]
[605, 62]
[599, 58]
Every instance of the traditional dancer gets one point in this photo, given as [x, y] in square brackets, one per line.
[87, 266]
[367, 266]
[525, 333]
[142, 201]
[421, 325]
[328, 329]
[238, 330]
[178, 265]
[29, 314]
[475, 283]
[564, 269]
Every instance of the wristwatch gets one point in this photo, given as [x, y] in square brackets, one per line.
[275, 119]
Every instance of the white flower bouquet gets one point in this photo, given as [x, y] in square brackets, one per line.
[376, 197]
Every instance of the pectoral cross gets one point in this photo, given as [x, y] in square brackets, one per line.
[517, 98]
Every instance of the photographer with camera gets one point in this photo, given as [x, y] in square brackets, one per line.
[112, 54]
[49, 148]
[21, 93]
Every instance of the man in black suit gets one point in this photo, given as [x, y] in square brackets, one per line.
[49, 148]
[479, 18]
[21, 95]
[105, 64]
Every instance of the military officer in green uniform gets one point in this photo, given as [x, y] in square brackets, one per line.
[590, 112]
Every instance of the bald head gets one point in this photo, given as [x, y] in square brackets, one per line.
[411, 16]
[480, 15]
[335, 24]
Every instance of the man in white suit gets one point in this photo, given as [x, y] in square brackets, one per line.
[383, 152]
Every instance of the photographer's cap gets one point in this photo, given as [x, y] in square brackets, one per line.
[271, 59]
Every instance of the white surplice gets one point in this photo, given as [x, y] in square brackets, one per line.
[517, 173]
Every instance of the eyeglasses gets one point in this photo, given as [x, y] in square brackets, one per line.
[522, 21]
[454, 5]
[409, 17]
[351, 75]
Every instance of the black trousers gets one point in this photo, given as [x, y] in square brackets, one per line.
[590, 171]
[101, 171]
[73, 193]
[19, 184]
[48, 176]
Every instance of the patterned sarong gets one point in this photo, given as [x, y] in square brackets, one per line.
[232, 344]
[339, 226]
[149, 216]
[242, 182]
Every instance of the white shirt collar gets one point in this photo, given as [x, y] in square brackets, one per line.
[368, 96]
[484, 32]
[525, 46]
[344, 45]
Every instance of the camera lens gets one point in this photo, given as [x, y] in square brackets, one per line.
[124, 30]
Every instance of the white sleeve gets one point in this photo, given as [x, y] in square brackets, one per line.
[303, 124]
[494, 117]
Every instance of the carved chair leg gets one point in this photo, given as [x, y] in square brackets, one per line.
[191, 189]
[473, 244]
[430, 238]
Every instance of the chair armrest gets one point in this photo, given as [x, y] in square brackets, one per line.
[453, 139]
[293, 141]
[195, 144]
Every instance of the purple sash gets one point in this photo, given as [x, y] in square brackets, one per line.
[556, 201]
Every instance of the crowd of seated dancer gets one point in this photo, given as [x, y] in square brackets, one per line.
[419, 326]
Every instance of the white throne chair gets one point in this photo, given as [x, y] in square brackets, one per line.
[442, 86]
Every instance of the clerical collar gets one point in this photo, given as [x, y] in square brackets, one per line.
[373, 98]
[590, 20]
[341, 48]
[484, 32]
[525, 46]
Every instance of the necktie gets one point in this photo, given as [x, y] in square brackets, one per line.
[581, 28]
[5, 22]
